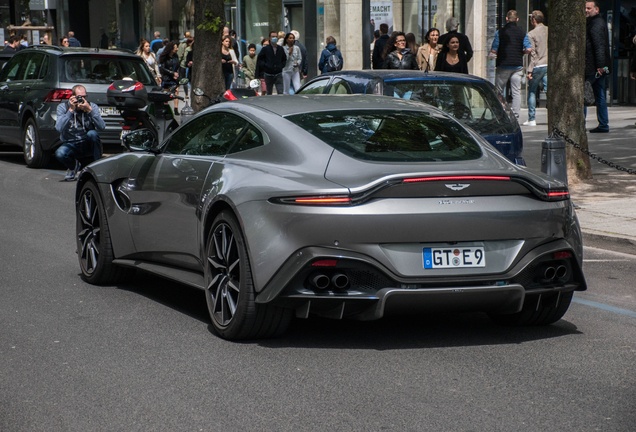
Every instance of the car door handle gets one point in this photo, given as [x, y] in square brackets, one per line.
[27, 88]
[192, 178]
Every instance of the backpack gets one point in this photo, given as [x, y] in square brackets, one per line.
[333, 62]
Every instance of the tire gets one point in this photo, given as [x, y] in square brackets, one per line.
[230, 289]
[544, 313]
[94, 247]
[34, 156]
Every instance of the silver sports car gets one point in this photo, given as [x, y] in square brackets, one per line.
[339, 206]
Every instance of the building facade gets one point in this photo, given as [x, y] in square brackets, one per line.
[351, 22]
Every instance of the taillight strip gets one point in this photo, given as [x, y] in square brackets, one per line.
[446, 178]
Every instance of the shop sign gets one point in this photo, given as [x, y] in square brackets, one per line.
[382, 13]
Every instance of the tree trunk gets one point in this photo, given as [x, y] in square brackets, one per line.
[566, 74]
[209, 20]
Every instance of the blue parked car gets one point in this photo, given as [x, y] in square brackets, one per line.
[471, 100]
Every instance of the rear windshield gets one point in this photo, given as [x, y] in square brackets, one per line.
[474, 104]
[391, 136]
[103, 70]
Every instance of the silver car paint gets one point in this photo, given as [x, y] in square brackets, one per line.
[294, 163]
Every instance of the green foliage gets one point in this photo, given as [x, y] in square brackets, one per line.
[211, 23]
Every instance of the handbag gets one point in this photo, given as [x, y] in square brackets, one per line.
[588, 94]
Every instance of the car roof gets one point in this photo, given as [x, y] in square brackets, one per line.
[53, 49]
[285, 105]
[388, 75]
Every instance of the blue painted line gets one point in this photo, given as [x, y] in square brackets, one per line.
[605, 307]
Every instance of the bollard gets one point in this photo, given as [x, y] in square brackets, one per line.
[186, 113]
[553, 158]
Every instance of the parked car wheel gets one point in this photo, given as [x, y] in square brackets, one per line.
[95, 251]
[230, 290]
[34, 156]
[537, 313]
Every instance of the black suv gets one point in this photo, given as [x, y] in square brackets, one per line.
[37, 79]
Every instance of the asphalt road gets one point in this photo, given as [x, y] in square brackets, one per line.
[142, 357]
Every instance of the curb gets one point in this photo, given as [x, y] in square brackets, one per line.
[608, 242]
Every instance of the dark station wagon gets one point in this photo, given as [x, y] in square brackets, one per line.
[37, 79]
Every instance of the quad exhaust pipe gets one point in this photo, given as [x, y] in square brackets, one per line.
[340, 280]
[551, 273]
[319, 280]
[322, 281]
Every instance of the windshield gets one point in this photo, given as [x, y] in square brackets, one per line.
[391, 136]
[474, 104]
[104, 69]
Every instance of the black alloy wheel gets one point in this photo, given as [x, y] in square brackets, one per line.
[229, 287]
[94, 248]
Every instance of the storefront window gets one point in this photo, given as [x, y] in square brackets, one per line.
[259, 17]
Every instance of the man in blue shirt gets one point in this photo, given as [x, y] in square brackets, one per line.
[510, 45]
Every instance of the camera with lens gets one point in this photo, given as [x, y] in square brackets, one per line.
[80, 99]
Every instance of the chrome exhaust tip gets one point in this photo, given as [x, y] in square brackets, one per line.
[561, 271]
[340, 280]
[549, 273]
[319, 280]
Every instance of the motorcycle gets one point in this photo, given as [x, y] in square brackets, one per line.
[231, 94]
[143, 109]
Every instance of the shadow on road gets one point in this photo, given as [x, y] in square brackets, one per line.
[408, 332]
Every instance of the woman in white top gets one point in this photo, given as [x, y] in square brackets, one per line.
[146, 53]
[291, 71]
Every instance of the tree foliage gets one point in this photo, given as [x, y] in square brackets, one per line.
[206, 68]
[566, 72]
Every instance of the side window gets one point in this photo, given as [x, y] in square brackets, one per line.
[33, 66]
[44, 70]
[340, 86]
[317, 87]
[14, 69]
[250, 138]
[209, 135]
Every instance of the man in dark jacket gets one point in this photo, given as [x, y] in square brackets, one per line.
[597, 61]
[270, 63]
[12, 46]
[510, 44]
[378, 49]
[452, 24]
[72, 41]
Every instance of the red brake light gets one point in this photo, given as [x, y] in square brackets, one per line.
[229, 96]
[557, 194]
[322, 200]
[325, 263]
[58, 95]
[560, 255]
[447, 178]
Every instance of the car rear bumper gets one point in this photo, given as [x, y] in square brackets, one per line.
[373, 291]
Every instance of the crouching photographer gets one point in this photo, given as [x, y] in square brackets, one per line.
[78, 121]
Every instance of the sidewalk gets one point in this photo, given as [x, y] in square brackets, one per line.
[607, 204]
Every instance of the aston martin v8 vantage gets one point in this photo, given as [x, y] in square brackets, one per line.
[340, 206]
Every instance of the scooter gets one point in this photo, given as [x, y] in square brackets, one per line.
[143, 109]
[231, 94]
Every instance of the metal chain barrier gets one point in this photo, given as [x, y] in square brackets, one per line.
[592, 155]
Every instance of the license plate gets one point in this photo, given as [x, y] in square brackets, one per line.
[454, 257]
[107, 111]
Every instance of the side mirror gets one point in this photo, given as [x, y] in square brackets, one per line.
[139, 140]
[197, 91]
[184, 81]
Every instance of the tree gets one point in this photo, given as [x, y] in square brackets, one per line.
[206, 67]
[566, 66]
